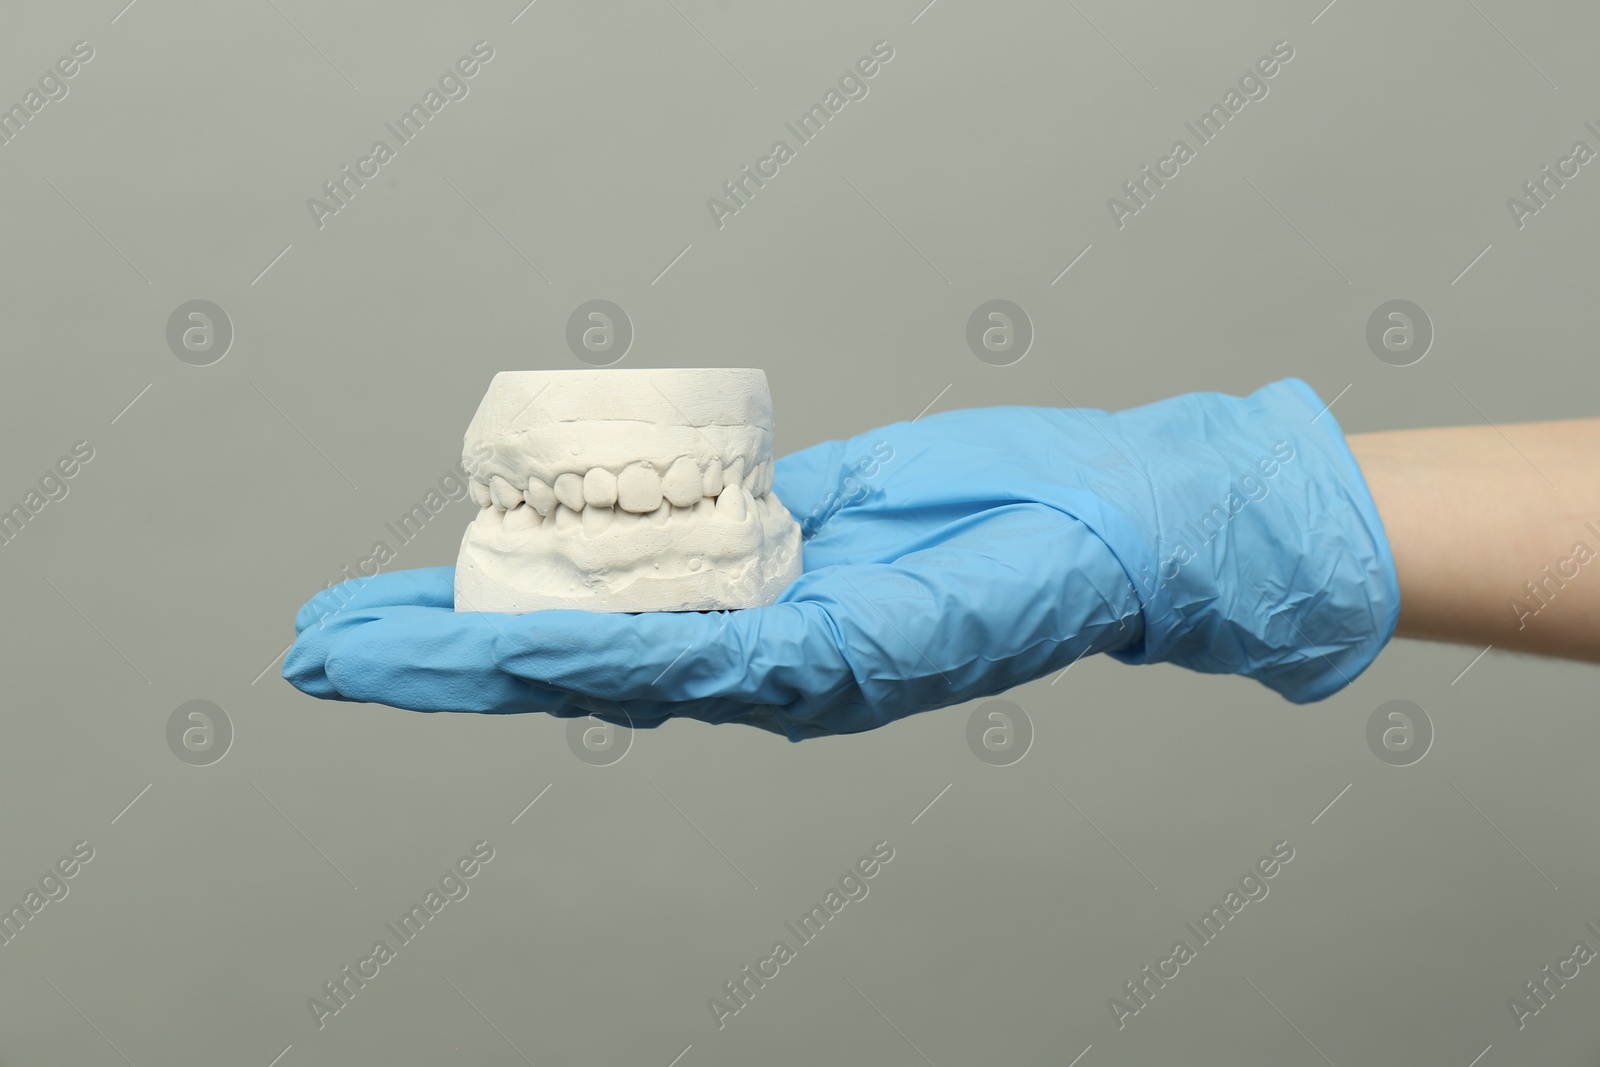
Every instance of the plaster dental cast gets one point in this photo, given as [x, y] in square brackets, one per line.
[1225, 534]
[645, 490]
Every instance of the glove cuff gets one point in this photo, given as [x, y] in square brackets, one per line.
[1272, 562]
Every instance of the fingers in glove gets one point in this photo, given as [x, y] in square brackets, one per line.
[431, 587]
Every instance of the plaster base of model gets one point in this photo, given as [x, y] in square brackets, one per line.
[606, 490]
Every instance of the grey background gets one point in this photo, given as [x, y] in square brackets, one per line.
[977, 168]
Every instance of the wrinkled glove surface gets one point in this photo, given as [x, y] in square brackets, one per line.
[946, 559]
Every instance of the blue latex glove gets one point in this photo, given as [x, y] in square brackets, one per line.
[946, 559]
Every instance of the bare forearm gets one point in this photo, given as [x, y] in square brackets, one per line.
[1495, 532]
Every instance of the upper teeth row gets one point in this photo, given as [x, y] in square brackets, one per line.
[638, 487]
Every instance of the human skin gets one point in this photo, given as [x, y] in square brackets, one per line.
[1473, 513]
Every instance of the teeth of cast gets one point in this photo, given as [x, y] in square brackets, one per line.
[711, 480]
[569, 490]
[682, 484]
[504, 494]
[734, 502]
[733, 473]
[539, 496]
[599, 488]
[523, 518]
[595, 520]
[638, 490]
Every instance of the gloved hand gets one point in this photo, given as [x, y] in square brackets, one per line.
[945, 559]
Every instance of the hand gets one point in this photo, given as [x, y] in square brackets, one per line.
[945, 560]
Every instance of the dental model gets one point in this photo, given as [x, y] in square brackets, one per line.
[624, 490]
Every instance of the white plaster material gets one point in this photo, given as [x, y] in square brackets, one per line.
[625, 490]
